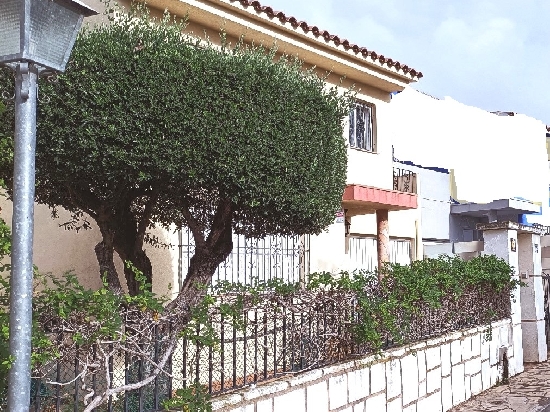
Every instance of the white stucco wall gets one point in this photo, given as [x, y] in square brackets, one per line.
[366, 168]
[494, 157]
[327, 250]
[401, 224]
[369, 169]
[435, 219]
[430, 376]
[57, 250]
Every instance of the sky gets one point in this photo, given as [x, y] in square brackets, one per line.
[491, 54]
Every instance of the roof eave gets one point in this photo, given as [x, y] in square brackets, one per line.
[236, 20]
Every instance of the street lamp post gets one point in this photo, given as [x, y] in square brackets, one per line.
[35, 36]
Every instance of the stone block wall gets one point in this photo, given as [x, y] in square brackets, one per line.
[433, 375]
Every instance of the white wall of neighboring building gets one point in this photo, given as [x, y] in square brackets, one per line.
[494, 157]
[433, 189]
[435, 219]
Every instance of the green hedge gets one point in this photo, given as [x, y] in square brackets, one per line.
[448, 287]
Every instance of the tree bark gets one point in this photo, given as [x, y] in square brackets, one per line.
[133, 235]
[104, 253]
[141, 262]
[129, 246]
[121, 234]
[209, 254]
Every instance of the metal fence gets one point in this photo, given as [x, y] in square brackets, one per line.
[362, 127]
[282, 257]
[404, 180]
[280, 336]
[364, 254]
[545, 229]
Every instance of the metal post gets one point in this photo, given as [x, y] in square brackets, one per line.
[22, 242]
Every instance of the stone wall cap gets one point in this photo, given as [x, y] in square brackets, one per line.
[511, 226]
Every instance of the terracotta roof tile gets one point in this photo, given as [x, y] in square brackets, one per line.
[295, 23]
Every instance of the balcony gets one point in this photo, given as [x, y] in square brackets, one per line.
[362, 200]
[404, 180]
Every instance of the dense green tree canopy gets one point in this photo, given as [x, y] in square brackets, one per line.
[149, 126]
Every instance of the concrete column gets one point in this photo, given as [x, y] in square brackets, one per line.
[382, 237]
[499, 240]
[532, 298]
[419, 244]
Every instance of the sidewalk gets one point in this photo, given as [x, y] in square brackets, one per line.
[526, 392]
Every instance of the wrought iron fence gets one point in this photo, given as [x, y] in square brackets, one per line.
[280, 335]
[364, 255]
[282, 257]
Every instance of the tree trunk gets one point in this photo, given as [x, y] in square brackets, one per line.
[120, 233]
[105, 257]
[201, 270]
[209, 254]
[141, 262]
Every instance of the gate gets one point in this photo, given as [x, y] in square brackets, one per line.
[546, 288]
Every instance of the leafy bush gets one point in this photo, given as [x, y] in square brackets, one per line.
[5, 248]
[388, 308]
[366, 312]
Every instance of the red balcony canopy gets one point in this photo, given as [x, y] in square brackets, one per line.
[360, 200]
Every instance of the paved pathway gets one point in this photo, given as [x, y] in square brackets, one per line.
[526, 392]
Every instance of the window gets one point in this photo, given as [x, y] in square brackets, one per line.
[361, 127]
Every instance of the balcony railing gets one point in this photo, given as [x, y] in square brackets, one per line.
[404, 180]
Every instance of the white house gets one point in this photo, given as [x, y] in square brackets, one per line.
[376, 213]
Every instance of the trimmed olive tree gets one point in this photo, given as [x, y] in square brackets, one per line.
[149, 126]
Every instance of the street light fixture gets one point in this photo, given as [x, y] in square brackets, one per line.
[35, 36]
[41, 32]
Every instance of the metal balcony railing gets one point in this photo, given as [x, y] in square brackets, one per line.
[404, 180]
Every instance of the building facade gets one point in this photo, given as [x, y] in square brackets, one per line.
[370, 204]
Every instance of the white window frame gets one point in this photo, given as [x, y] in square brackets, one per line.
[362, 135]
